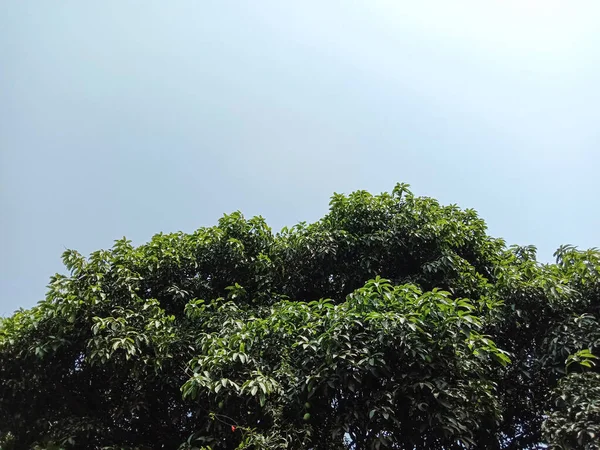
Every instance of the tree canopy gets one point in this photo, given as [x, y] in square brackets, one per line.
[393, 322]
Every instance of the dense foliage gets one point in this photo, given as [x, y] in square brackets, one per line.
[393, 322]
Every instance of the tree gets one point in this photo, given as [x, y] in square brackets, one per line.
[392, 322]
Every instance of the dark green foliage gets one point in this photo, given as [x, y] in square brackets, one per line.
[574, 420]
[393, 322]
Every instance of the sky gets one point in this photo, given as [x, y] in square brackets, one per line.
[129, 118]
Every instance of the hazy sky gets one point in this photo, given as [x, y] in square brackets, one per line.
[133, 117]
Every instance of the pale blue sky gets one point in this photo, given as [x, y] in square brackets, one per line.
[133, 117]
